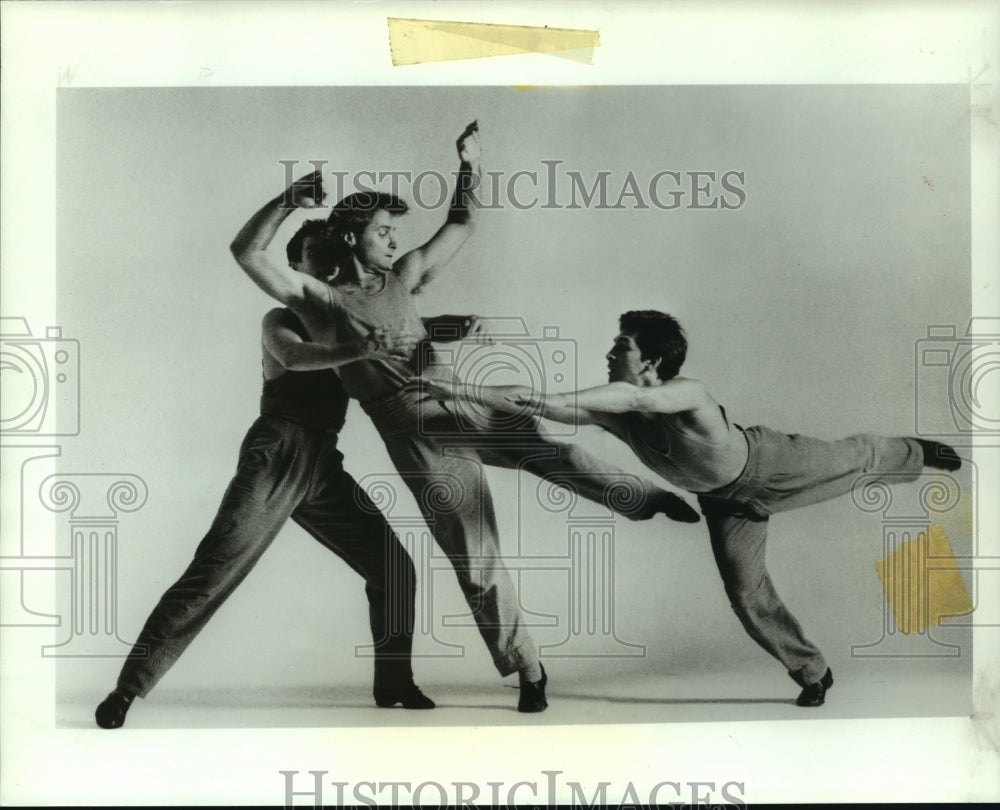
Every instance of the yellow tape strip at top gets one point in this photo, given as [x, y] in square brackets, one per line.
[415, 42]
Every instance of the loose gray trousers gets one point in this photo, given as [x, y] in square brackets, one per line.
[785, 472]
[284, 470]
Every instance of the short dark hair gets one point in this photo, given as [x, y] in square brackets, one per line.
[311, 227]
[352, 214]
[657, 335]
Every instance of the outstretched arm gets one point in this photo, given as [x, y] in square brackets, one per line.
[671, 396]
[509, 399]
[250, 247]
[295, 354]
[591, 406]
[418, 267]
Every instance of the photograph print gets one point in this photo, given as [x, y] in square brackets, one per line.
[605, 404]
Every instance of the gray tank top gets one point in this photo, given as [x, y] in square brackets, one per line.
[355, 313]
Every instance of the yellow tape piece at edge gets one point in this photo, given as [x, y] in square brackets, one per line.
[922, 582]
[415, 42]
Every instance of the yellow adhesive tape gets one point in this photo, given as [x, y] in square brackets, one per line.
[415, 42]
[922, 582]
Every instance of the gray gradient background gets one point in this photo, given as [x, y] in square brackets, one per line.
[802, 310]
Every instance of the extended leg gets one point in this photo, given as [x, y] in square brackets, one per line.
[569, 465]
[738, 543]
[453, 497]
[265, 489]
[796, 470]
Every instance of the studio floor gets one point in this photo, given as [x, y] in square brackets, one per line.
[861, 690]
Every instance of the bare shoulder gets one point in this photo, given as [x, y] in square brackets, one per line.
[676, 395]
[689, 384]
[705, 416]
[281, 319]
[278, 316]
[696, 395]
[314, 292]
[315, 302]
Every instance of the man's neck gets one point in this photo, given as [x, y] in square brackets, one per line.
[365, 275]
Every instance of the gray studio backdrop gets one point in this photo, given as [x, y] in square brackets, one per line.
[804, 292]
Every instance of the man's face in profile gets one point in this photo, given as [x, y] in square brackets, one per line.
[375, 246]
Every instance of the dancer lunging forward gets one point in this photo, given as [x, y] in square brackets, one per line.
[740, 476]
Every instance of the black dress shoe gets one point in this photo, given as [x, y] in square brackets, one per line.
[815, 693]
[676, 508]
[410, 696]
[533, 695]
[112, 710]
[939, 455]
[666, 503]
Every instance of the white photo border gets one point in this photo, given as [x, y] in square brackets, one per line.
[213, 44]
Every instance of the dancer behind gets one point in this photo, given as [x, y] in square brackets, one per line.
[289, 465]
[741, 476]
[372, 287]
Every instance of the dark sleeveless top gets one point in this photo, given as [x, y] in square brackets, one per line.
[315, 399]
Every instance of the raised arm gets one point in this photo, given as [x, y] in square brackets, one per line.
[288, 348]
[250, 248]
[419, 267]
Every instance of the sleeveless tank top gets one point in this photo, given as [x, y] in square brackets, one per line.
[315, 399]
[355, 314]
[689, 462]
